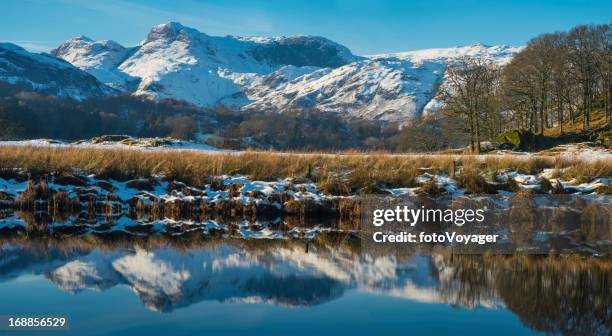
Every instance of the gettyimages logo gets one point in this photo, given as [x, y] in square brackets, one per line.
[534, 224]
[411, 216]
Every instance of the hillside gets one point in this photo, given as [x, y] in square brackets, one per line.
[597, 122]
[47, 74]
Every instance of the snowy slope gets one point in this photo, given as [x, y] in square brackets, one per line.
[182, 63]
[386, 89]
[299, 73]
[389, 87]
[99, 58]
[499, 54]
[47, 74]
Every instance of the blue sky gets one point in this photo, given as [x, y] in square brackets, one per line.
[365, 26]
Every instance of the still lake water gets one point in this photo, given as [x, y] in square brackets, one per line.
[129, 276]
[184, 287]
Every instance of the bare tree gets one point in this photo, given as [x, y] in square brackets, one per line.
[603, 59]
[469, 93]
[582, 49]
[558, 76]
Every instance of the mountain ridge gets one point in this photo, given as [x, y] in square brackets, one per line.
[272, 74]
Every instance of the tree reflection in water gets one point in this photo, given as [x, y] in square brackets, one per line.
[565, 295]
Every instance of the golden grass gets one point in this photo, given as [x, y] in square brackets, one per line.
[597, 120]
[474, 183]
[358, 170]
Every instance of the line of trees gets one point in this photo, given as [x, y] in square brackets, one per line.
[294, 130]
[29, 115]
[25, 114]
[557, 78]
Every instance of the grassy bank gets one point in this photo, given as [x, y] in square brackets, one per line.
[328, 170]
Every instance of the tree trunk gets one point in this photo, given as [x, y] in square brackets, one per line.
[542, 109]
[609, 94]
[585, 107]
[471, 122]
[477, 134]
[560, 112]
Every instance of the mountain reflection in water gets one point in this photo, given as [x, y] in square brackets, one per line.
[555, 294]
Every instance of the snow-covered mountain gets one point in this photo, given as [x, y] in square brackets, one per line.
[99, 58]
[299, 73]
[387, 87]
[45, 73]
[499, 55]
[178, 62]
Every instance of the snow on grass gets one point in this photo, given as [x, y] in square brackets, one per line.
[584, 152]
[402, 191]
[148, 144]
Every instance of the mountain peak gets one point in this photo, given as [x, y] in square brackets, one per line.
[479, 45]
[82, 38]
[170, 25]
[170, 31]
[85, 45]
[84, 41]
[99, 58]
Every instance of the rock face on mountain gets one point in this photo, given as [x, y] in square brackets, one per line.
[302, 51]
[47, 74]
[299, 73]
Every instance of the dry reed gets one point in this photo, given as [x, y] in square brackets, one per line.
[358, 170]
